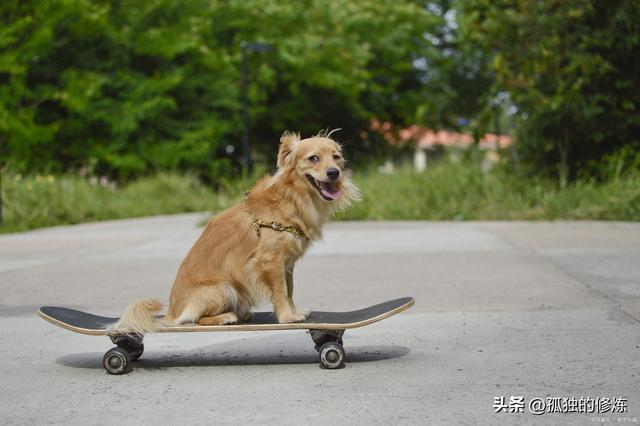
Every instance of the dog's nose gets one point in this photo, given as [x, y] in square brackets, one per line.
[333, 173]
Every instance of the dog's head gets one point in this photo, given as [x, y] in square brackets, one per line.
[319, 162]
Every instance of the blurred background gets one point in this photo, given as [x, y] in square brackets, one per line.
[457, 110]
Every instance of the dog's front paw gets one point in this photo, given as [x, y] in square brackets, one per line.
[292, 317]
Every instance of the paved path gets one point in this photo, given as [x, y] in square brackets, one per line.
[538, 310]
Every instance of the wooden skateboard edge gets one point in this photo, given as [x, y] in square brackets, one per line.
[238, 327]
[64, 325]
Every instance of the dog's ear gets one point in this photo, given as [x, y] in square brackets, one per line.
[288, 144]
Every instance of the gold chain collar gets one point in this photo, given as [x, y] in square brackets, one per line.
[276, 226]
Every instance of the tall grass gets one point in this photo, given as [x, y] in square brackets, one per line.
[38, 201]
[462, 191]
[448, 191]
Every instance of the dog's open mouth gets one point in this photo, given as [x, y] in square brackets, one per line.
[327, 190]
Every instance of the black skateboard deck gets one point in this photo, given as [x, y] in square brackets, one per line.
[326, 329]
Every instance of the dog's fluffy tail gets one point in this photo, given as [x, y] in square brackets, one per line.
[139, 317]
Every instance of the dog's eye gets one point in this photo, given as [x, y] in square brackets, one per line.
[313, 158]
[337, 157]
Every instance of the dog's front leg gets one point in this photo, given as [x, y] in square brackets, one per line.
[273, 275]
[288, 274]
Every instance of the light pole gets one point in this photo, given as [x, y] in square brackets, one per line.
[246, 148]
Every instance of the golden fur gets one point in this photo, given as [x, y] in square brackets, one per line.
[229, 270]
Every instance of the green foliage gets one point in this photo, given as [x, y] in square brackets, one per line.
[455, 75]
[571, 68]
[47, 200]
[449, 191]
[461, 191]
[126, 88]
[121, 88]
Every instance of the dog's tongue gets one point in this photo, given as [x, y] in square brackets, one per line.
[329, 190]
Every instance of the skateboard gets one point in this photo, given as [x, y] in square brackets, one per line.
[326, 330]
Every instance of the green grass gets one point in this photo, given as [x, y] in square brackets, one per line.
[39, 201]
[449, 191]
[461, 191]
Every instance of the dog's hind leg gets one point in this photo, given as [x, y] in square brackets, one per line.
[220, 319]
[210, 301]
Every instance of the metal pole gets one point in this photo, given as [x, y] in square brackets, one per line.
[246, 148]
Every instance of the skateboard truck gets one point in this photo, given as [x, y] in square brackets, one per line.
[329, 346]
[129, 347]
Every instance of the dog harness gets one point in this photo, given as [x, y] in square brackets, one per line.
[276, 226]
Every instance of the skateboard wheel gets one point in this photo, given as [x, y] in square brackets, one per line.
[117, 361]
[332, 355]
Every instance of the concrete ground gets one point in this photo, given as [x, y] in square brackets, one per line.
[513, 309]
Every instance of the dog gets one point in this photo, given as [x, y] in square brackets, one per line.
[247, 253]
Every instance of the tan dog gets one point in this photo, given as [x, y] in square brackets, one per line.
[242, 257]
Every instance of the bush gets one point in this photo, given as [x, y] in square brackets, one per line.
[461, 191]
[38, 201]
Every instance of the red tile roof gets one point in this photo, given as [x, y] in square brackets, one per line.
[427, 138]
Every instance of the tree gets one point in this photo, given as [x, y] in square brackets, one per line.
[122, 88]
[571, 69]
[456, 76]
[125, 88]
[336, 64]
